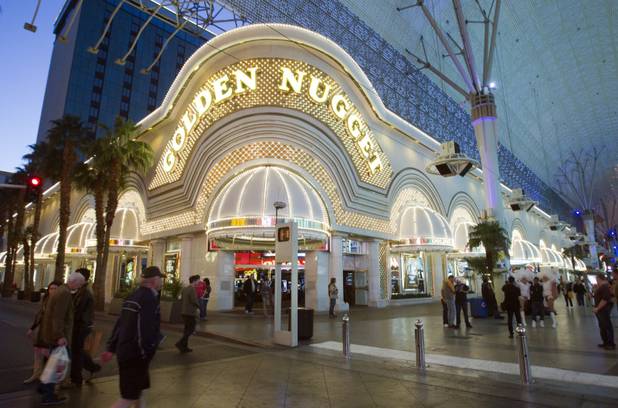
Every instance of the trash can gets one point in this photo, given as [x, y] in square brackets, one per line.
[479, 307]
[305, 323]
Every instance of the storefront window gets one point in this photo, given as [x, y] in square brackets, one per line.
[409, 276]
[171, 266]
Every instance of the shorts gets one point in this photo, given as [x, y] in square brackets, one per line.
[134, 378]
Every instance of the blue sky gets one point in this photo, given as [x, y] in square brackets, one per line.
[24, 63]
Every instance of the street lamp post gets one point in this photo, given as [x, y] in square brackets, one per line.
[279, 205]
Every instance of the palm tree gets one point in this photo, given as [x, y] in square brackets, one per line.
[66, 140]
[36, 166]
[114, 158]
[28, 245]
[493, 237]
[15, 216]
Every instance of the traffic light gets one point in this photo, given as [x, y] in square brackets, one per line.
[35, 182]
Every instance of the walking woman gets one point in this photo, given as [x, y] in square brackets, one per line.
[41, 351]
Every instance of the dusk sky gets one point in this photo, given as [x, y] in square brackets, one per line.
[24, 63]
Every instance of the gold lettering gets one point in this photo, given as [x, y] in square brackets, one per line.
[353, 125]
[222, 89]
[366, 146]
[202, 101]
[316, 85]
[375, 164]
[168, 161]
[289, 79]
[339, 105]
[244, 81]
[178, 140]
[188, 120]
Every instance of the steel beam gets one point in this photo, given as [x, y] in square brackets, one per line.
[467, 46]
[492, 46]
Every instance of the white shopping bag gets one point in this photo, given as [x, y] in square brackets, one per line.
[56, 367]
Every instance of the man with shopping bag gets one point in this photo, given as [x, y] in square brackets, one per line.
[136, 337]
[57, 328]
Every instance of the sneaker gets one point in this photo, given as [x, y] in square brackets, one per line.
[534, 324]
[55, 400]
[445, 324]
[554, 324]
[542, 323]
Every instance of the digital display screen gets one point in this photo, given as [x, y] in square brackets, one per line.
[283, 234]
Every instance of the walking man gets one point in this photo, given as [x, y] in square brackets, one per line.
[83, 322]
[603, 309]
[136, 337]
[249, 287]
[190, 309]
[448, 294]
[537, 307]
[511, 303]
[57, 327]
[580, 292]
[333, 292]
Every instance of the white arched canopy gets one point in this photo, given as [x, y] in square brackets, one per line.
[423, 229]
[549, 257]
[124, 231]
[242, 216]
[524, 252]
[461, 236]
[580, 266]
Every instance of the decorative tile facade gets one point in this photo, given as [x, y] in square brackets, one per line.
[403, 88]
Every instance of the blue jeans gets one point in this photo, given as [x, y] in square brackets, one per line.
[203, 304]
[450, 304]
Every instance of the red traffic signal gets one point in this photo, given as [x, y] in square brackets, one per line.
[35, 181]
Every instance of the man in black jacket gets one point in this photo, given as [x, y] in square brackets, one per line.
[537, 307]
[511, 303]
[461, 303]
[489, 297]
[249, 288]
[136, 337]
[83, 321]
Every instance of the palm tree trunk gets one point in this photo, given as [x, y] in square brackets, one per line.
[27, 276]
[101, 268]
[35, 229]
[110, 211]
[68, 158]
[7, 287]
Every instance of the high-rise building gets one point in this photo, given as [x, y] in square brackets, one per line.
[91, 83]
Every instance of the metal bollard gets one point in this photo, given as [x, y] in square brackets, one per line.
[419, 337]
[522, 354]
[345, 338]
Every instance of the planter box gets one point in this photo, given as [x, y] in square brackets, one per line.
[170, 311]
[115, 306]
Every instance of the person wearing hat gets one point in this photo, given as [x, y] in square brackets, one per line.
[135, 338]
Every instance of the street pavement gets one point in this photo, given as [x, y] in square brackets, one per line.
[250, 371]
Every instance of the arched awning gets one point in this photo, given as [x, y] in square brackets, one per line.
[124, 231]
[423, 229]
[461, 236]
[46, 246]
[242, 216]
[77, 235]
[580, 266]
[549, 257]
[566, 263]
[524, 252]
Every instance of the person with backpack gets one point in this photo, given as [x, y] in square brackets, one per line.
[537, 308]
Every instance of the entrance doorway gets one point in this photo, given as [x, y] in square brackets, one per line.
[355, 288]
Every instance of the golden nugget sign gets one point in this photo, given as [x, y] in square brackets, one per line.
[275, 82]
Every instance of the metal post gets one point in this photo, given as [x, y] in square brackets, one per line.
[522, 354]
[345, 338]
[419, 337]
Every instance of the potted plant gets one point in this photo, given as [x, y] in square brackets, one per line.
[115, 305]
[496, 241]
[171, 306]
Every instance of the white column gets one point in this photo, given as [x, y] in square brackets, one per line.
[186, 258]
[438, 272]
[590, 238]
[316, 280]
[156, 253]
[484, 123]
[335, 269]
[373, 258]
[219, 268]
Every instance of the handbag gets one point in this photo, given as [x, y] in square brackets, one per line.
[57, 366]
[93, 342]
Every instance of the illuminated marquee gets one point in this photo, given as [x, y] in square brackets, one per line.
[274, 82]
